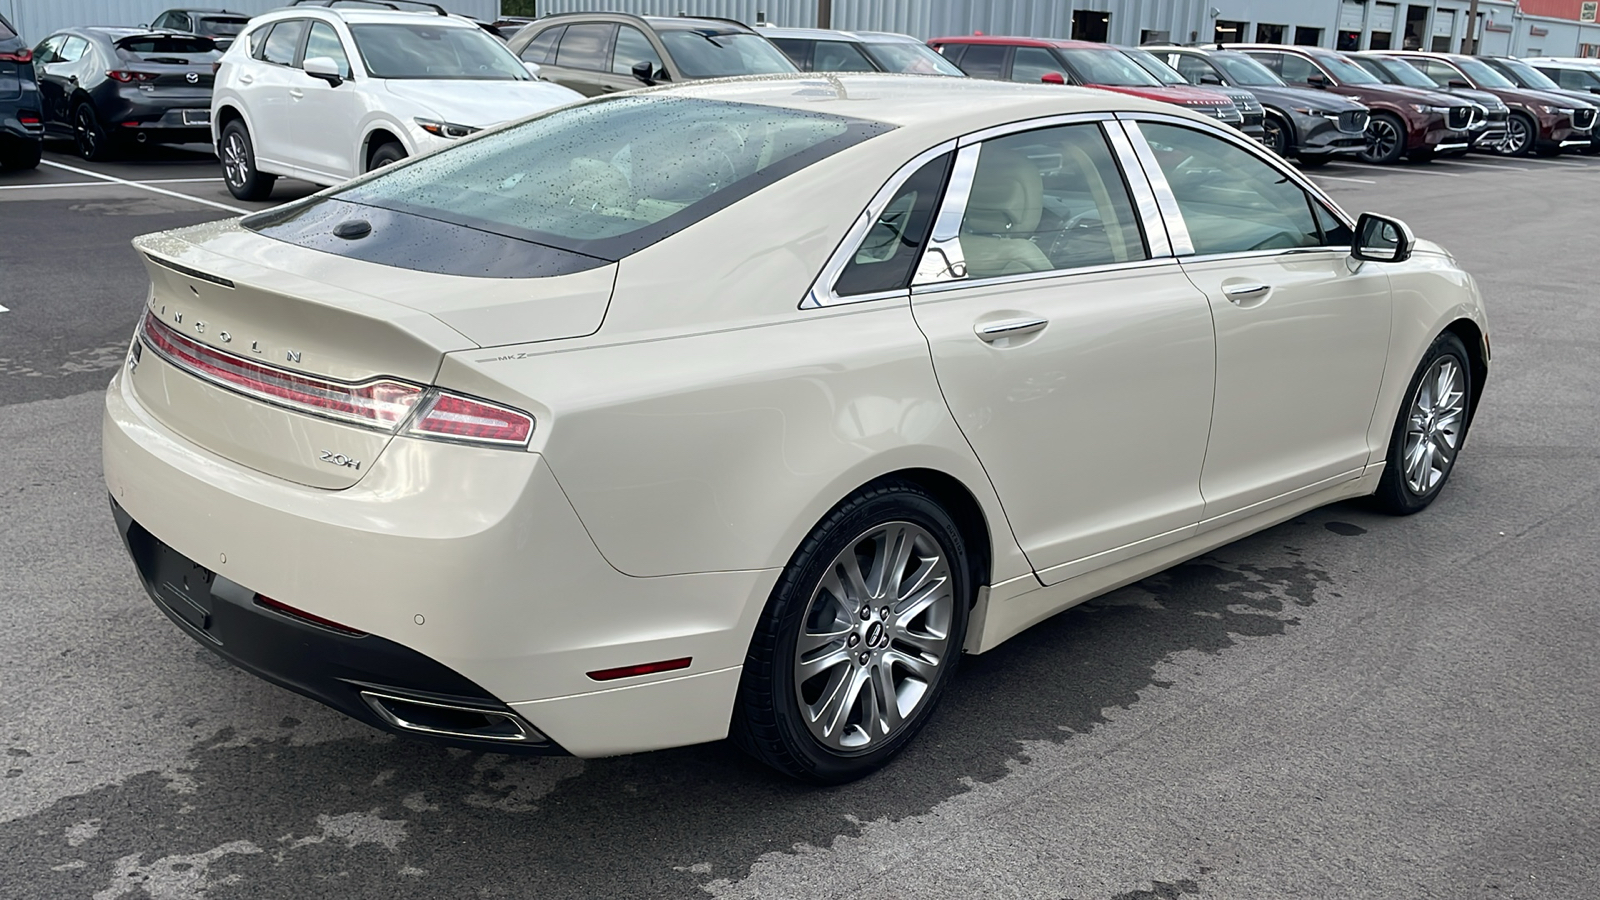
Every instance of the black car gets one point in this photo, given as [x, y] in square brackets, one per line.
[600, 53]
[1312, 126]
[220, 25]
[21, 130]
[105, 87]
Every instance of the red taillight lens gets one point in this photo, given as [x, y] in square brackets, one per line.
[129, 77]
[17, 56]
[28, 118]
[668, 665]
[460, 418]
[380, 403]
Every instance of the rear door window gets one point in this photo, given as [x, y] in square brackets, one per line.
[541, 49]
[282, 42]
[585, 47]
[72, 50]
[985, 61]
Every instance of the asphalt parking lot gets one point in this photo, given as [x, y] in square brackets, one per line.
[1346, 705]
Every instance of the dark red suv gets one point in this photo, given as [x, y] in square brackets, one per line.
[1055, 61]
[1405, 121]
[1540, 122]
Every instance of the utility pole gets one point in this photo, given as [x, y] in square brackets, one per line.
[1472, 30]
[825, 13]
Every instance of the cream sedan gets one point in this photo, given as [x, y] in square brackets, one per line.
[748, 407]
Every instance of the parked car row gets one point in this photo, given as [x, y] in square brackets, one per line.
[328, 89]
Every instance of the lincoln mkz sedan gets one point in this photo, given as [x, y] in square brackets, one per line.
[747, 407]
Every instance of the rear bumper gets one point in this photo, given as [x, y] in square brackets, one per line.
[13, 131]
[468, 562]
[351, 672]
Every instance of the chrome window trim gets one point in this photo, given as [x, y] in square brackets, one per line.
[1169, 202]
[821, 292]
[995, 131]
[1266, 254]
[944, 238]
[1145, 202]
[918, 290]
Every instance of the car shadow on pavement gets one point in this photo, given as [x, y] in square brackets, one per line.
[390, 818]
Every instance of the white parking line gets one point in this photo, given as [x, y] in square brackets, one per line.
[1479, 165]
[145, 187]
[67, 184]
[1342, 178]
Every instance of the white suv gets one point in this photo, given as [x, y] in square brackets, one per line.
[324, 95]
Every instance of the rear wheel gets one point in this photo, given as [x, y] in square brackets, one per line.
[239, 172]
[1521, 133]
[859, 638]
[92, 141]
[1429, 430]
[385, 155]
[1386, 139]
[21, 155]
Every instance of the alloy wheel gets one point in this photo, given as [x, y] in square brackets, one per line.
[874, 636]
[1517, 137]
[235, 160]
[87, 132]
[1276, 139]
[1433, 427]
[1382, 139]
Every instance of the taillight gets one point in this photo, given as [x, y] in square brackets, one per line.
[463, 419]
[381, 403]
[130, 77]
[28, 118]
[17, 56]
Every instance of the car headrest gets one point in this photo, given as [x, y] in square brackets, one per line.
[1007, 194]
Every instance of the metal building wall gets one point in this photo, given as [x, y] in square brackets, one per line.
[36, 19]
[788, 13]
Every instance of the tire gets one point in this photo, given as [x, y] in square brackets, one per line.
[1386, 139]
[1431, 424]
[88, 136]
[239, 172]
[816, 722]
[1279, 136]
[386, 154]
[21, 155]
[1521, 134]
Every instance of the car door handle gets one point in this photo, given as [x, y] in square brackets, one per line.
[296, 93]
[1241, 292]
[1008, 328]
[609, 89]
[247, 79]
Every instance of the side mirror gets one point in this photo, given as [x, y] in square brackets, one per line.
[1594, 88]
[644, 70]
[325, 68]
[1052, 78]
[1209, 78]
[533, 68]
[1317, 80]
[1382, 239]
[1458, 84]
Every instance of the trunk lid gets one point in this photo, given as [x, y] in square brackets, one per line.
[296, 313]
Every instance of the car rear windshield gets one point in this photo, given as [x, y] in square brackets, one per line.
[221, 27]
[1108, 67]
[1245, 71]
[910, 58]
[433, 51]
[177, 50]
[707, 53]
[608, 178]
[6, 31]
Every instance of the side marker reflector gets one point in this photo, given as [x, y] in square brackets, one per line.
[641, 669]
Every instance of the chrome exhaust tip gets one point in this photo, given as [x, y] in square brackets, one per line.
[451, 721]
